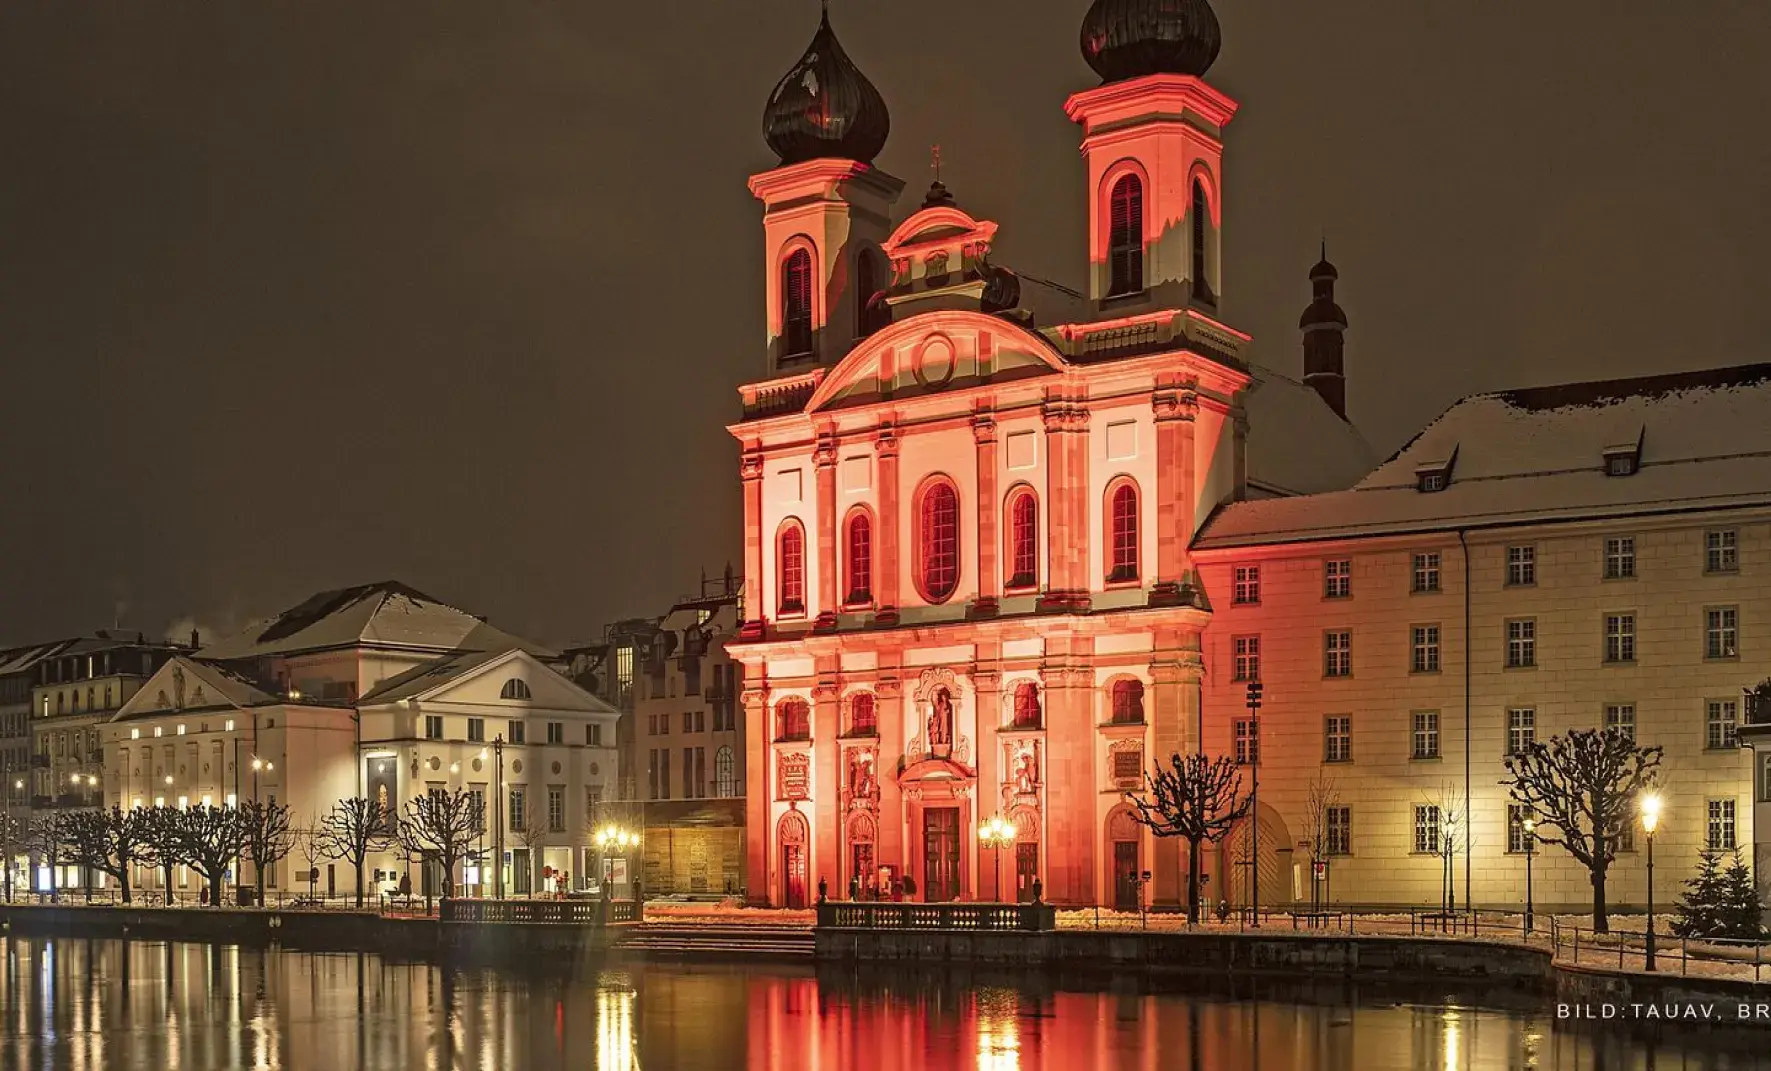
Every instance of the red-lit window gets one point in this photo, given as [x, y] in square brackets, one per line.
[793, 718]
[1026, 705]
[1125, 237]
[796, 304]
[862, 721]
[1123, 533]
[1128, 702]
[1024, 541]
[860, 563]
[1201, 209]
[939, 543]
[792, 565]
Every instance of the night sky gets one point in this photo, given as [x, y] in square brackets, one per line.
[303, 293]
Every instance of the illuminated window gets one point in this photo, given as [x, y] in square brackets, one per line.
[1026, 705]
[1201, 209]
[860, 564]
[1023, 541]
[513, 689]
[1125, 237]
[939, 542]
[792, 564]
[793, 720]
[1123, 539]
[1128, 702]
[725, 778]
[796, 304]
[862, 719]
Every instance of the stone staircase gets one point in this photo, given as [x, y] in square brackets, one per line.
[679, 940]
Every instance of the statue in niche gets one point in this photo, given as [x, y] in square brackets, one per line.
[1027, 771]
[862, 784]
[941, 722]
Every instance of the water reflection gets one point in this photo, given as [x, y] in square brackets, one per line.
[71, 1005]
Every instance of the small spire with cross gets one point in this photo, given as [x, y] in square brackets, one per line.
[935, 161]
[938, 194]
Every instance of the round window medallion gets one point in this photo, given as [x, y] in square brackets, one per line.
[935, 361]
[556, 767]
[436, 763]
[476, 765]
[517, 766]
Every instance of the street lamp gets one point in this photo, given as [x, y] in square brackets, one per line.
[1530, 824]
[997, 833]
[613, 840]
[498, 819]
[1650, 822]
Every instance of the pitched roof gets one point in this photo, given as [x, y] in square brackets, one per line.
[1296, 445]
[422, 681]
[1538, 454]
[23, 659]
[385, 614]
[186, 685]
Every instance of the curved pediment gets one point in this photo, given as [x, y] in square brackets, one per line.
[949, 349]
[938, 226]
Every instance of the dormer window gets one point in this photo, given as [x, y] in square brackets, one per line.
[1622, 460]
[1434, 476]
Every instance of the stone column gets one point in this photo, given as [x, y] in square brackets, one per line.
[828, 546]
[989, 508]
[1177, 672]
[759, 790]
[1176, 413]
[986, 677]
[1072, 771]
[756, 594]
[885, 540]
[889, 707]
[826, 804]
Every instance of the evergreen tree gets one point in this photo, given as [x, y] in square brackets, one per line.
[1699, 914]
[1739, 916]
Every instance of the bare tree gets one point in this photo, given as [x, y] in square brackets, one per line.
[1583, 789]
[108, 841]
[1324, 796]
[1197, 799]
[1453, 810]
[43, 840]
[11, 839]
[309, 847]
[441, 826]
[355, 829]
[162, 843]
[269, 838]
[210, 839]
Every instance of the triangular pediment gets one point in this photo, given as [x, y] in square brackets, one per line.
[186, 684]
[935, 352]
[512, 678]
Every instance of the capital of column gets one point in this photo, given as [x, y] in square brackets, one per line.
[750, 467]
[824, 454]
[1175, 405]
[1065, 416]
[984, 428]
[887, 443]
[888, 688]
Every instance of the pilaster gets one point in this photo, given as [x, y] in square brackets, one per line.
[890, 526]
[759, 791]
[989, 508]
[750, 470]
[827, 835]
[888, 695]
[1176, 415]
[824, 463]
[986, 674]
[1072, 771]
[1066, 437]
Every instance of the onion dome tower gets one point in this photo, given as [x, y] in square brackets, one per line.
[825, 108]
[1325, 328]
[1124, 39]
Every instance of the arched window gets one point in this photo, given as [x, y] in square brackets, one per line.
[725, 779]
[515, 689]
[791, 564]
[1128, 702]
[1201, 284]
[1026, 705]
[862, 719]
[796, 304]
[871, 311]
[1125, 237]
[860, 558]
[1023, 540]
[938, 541]
[793, 720]
[1122, 530]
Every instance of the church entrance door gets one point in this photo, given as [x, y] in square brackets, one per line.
[940, 841]
[1125, 875]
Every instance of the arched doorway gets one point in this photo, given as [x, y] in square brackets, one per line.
[1274, 862]
[1026, 822]
[863, 877]
[1124, 858]
[795, 840]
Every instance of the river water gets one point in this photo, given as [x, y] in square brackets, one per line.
[78, 1005]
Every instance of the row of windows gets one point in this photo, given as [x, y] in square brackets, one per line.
[693, 721]
[936, 554]
[68, 702]
[1721, 554]
[516, 732]
[725, 775]
[1721, 642]
[793, 715]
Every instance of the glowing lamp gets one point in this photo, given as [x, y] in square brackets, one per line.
[1650, 812]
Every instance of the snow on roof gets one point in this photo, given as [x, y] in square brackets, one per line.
[385, 614]
[1296, 444]
[187, 684]
[422, 680]
[1534, 455]
[23, 659]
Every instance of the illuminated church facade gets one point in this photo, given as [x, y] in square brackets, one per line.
[970, 496]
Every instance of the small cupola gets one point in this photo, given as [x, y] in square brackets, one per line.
[825, 108]
[1324, 327]
[1125, 39]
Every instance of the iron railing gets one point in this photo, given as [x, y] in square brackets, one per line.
[853, 915]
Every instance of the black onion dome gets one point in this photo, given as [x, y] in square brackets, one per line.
[1124, 39]
[1322, 311]
[1323, 270]
[825, 107]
